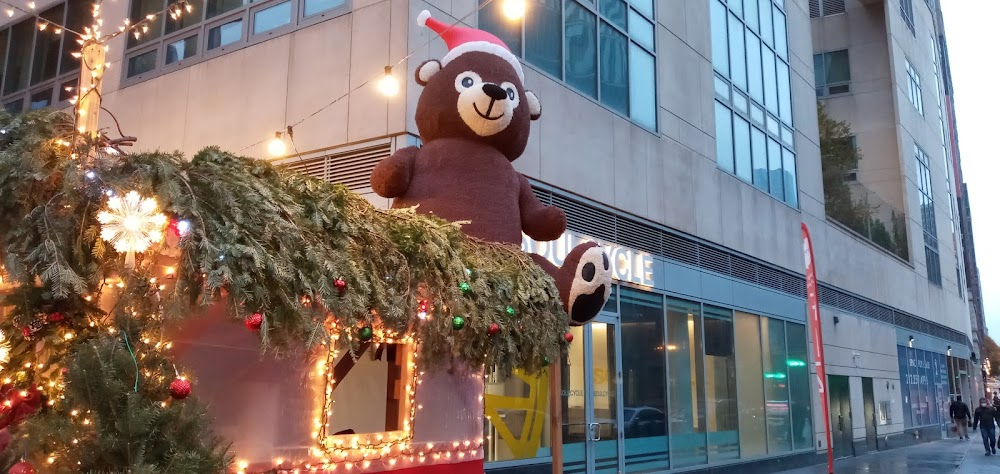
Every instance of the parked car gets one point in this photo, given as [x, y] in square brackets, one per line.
[640, 422]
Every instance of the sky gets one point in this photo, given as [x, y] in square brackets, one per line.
[972, 35]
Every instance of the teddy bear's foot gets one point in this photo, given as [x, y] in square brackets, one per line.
[586, 275]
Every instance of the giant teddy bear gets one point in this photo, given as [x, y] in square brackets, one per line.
[474, 118]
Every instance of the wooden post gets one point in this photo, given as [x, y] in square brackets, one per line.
[88, 105]
[555, 416]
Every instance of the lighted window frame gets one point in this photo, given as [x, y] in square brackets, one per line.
[50, 92]
[159, 40]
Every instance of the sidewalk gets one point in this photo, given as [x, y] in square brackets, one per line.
[949, 456]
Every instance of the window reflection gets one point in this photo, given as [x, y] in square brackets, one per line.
[687, 395]
[643, 385]
[541, 36]
[581, 49]
[750, 379]
[776, 386]
[720, 385]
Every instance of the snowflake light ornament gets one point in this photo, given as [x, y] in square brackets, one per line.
[131, 224]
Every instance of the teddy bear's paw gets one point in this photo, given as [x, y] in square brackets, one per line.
[591, 285]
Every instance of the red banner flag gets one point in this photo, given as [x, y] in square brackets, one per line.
[816, 329]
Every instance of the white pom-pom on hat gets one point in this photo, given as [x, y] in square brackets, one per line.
[422, 18]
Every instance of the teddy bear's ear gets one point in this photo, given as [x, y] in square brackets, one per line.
[427, 70]
[534, 106]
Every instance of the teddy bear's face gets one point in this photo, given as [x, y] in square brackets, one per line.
[477, 96]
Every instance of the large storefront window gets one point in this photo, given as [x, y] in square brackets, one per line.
[644, 394]
[923, 383]
[687, 393]
[798, 384]
[750, 380]
[517, 414]
[776, 405]
[720, 385]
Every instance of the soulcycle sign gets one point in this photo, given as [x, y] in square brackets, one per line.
[627, 265]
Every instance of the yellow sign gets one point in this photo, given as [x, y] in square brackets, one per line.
[526, 443]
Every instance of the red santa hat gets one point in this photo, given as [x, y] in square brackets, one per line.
[461, 40]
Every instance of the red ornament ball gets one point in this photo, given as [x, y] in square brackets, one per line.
[254, 321]
[340, 285]
[180, 389]
[26, 332]
[22, 467]
[494, 329]
[568, 336]
[56, 317]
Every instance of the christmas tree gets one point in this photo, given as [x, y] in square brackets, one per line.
[103, 252]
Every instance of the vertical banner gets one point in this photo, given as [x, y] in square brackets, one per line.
[816, 329]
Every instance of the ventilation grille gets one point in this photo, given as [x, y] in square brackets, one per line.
[833, 7]
[814, 9]
[604, 225]
[351, 168]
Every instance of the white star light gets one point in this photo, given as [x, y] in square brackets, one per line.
[132, 224]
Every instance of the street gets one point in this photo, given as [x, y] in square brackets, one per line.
[948, 456]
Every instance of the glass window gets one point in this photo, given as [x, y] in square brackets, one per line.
[642, 81]
[182, 49]
[755, 73]
[644, 6]
[612, 305]
[776, 406]
[741, 142]
[780, 40]
[737, 7]
[724, 138]
[78, 14]
[770, 81]
[737, 55]
[644, 388]
[14, 107]
[615, 11]
[141, 63]
[751, 14]
[152, 28]
[784, 93]
[40, 99]
[215, 8]
[313, 7]
[541, 36]
[581, 49]
[720, 51]
[775, 176]
[766, 27]
[226, 33]
[67, 90]
[686, 385]
[798, 384]
[47, 47]
[272, 17]
[614, 68]
[19, 59]
[720, 386]
[3, 51]
[916, 94]
[640, 29]
[185, 19]
[791, 191]
[517, 414]
[758, 144]
[750, 380]
[833, 73]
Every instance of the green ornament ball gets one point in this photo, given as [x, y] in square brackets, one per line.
[465, 287]
[457, 322]
[545, 362]
[511, 311]
[365, 334]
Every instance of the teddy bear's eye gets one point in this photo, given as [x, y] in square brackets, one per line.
[510, 93]
[468, 82]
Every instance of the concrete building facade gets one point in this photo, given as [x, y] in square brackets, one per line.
[682, 136]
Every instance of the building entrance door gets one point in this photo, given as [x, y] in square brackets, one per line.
[868, 394]
[591, 394]
[840, 416]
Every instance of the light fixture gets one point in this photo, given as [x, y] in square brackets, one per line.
[513, 9]
[389, 85]
[911, 341]
[276, 146]
[949, 350]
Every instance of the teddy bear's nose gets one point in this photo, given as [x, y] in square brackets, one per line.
[494, 91]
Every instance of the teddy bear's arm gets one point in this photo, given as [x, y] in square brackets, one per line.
[540, 222]
[391, 177]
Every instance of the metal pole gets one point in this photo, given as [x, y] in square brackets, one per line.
[555, 416]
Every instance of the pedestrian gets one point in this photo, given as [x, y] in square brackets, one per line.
[996, 401]
[960, 416]
[986, 419]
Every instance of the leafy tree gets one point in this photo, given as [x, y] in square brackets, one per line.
[839, 155]
[992, 352]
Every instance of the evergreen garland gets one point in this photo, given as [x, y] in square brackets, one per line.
[261, 240]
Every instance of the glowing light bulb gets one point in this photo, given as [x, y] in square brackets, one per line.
[389, 85]
[276, 147]
[513, 9]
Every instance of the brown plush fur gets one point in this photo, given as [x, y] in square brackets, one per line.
[462, 175]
